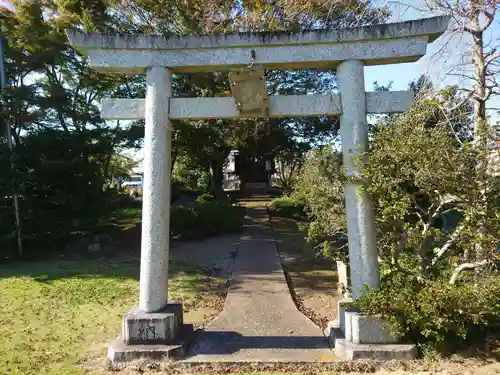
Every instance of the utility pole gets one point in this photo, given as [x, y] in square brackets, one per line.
[15, 198]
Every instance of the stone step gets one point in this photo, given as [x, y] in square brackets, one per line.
[119, 351]
[347, 350]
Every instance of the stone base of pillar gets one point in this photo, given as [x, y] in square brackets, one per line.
[160, 334]
[344, 279]
[357, 336]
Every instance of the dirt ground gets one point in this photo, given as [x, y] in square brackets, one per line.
[418, 367]
[208, 306]
[313, 280]
[314, 284]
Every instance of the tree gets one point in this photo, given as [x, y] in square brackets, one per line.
[53, 95]
[472, 19]
[118, 169]
[423, 182]
[287, 166]
[63, 149]
[22, 60]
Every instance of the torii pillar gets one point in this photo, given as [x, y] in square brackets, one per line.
[153, 288]
[363, 256]
[153, 328]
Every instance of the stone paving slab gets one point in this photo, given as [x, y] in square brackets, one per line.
[260, 322]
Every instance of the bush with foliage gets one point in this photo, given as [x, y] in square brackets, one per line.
[435, 200]
[320, 184]
[179, 189]
[191, 175]
[204, 198]
[207, 218]
[434, 313]
[287, 207]
[437, 212]
[288, 165]
[61, 185]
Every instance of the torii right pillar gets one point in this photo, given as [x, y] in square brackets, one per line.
[355, 335]
[363, 257]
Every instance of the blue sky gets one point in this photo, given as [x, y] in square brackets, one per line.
[435, 63]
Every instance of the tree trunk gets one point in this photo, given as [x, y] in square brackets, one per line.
[480, 123]
[479, 96]
[106, 167]
[217, 175]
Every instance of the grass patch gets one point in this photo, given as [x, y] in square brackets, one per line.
[55, 314]
[127, 218]
[131, 213]
[287, 207]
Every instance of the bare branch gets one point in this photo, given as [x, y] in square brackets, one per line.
[447, 245]
[466, 266]
[489, 19]
[466, 29]
[450, 124]
[418, 213]
[463, 75]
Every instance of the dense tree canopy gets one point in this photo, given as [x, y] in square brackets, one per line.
[52, 98]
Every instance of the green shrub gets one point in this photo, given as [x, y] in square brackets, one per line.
[218, 217]
[183, 222]
[287, 207]
[178, 190]
[435, 314]
[203, 198]
[207, 218]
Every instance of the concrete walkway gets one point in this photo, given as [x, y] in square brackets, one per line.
[260, 322]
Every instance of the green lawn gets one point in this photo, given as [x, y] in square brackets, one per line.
[55, 315]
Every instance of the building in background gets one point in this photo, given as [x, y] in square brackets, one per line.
[135, 185]
[231, 180]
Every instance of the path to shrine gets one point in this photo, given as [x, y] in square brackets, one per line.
[260, 321]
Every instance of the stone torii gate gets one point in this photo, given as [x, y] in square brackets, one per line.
[349, 50]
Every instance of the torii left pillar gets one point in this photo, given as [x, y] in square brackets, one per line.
[153, 294]
[156, 320]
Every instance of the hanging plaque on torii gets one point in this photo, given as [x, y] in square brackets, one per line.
[248, 86]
